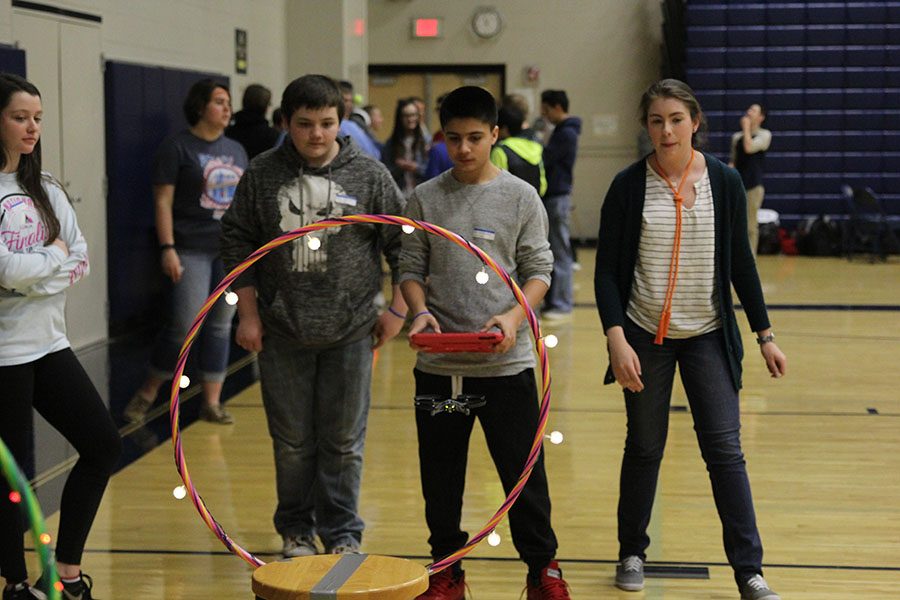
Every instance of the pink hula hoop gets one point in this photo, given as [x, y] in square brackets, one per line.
[544, 410]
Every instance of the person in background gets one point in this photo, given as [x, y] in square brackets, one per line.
[278, 125]
[42, 254]
[672, 243]
[559, 161]
[376, 120]
[278, 120]
[748, 156]
[423, 118]
[194, 179]
[350, 123]
[438, 159]
[521, 104]
[516, 154]
[405, 151]
[310, 313]
[250, 126]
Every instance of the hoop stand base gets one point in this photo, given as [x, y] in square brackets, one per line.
[340, 577]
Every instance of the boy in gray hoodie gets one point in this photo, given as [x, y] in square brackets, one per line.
[308, 309]
[504, 216]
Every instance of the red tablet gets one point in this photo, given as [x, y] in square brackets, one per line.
[458, 342]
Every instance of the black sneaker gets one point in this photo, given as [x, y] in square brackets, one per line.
[22, 591]
[76, 590]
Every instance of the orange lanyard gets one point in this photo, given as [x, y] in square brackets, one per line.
[666, 315]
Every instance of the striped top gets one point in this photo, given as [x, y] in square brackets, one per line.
[695, 305]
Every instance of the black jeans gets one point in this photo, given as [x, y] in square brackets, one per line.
[703, 365]
[509, 420]
[59, 389]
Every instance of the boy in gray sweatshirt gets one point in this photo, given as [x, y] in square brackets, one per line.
[503, 215]
[308, 309]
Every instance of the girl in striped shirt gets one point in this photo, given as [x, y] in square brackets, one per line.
[672, 243]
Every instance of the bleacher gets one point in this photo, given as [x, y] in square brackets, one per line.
[829, 74]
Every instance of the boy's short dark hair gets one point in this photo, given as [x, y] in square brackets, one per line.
[198, 97]
[256, 98]
[511, 117]
[313, 92]
[470, 102]
[555, 98]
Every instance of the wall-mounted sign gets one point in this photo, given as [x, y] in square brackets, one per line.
[240, 51]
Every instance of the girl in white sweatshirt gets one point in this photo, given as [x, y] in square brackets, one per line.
[42, 252]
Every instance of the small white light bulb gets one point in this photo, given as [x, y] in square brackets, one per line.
[494, 539]
[231, 298]
[556, 437]
[407, 229]
[482, 276]
[179, 492]
[551, 341]
[314, 243]
[184, 382]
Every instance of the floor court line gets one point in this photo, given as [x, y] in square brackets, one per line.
[498, 559]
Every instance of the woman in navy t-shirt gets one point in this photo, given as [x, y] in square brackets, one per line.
[195, 174]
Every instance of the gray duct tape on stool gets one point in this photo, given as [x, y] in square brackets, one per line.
[336, 577]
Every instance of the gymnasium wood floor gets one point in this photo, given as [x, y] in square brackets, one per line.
[825, 469]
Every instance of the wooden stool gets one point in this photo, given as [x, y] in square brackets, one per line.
[340, 577]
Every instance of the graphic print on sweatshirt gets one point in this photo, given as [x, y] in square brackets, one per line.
[21, 228]
[220, 179]
[314, 199]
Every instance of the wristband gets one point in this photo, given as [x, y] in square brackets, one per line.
[419, 314]
[765, 339]
[396, 313]
[163, 247]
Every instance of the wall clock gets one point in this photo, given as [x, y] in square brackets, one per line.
[486, 22]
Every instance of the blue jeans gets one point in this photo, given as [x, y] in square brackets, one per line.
[202, 273]
[703, 365]
[560, 296]
[317, 405]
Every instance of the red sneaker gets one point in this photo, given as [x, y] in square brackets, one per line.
[551, 585]
[445, 586]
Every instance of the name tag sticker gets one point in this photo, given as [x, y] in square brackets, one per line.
[344, 199]
[484, 234]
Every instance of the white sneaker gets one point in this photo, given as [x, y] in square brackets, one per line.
[555, 315]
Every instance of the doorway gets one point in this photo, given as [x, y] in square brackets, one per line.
[390, 83]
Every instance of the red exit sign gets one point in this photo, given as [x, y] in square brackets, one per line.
[426, 28]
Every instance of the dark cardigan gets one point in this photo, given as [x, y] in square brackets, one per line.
[617, 248]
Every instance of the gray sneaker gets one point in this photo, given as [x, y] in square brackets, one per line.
[756, 588]
[630, 574]
[299, 545]
[345, 545]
